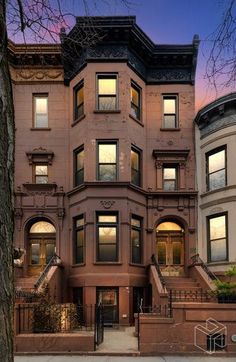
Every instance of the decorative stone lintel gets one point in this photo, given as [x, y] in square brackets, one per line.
[40, 155]
[179, 156]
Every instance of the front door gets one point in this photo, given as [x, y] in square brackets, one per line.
[108, 298]
[170, 252]
[41, 251]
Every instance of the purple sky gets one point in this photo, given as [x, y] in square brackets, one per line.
[169, 22]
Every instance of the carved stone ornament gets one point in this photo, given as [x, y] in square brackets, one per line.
[107, 204]
[40, 155]
[38, 74]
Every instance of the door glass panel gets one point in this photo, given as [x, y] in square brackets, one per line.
[161, 252]
[35, 253]
[176, 249]
[50, 250]
[109, 299]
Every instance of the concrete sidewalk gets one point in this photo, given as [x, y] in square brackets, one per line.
[121, 359]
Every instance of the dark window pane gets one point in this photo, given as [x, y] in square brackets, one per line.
[136, 246]
[107, 172]
[35, 248]
[41, 179]
[176, 252]
[169, 185]
[107, 252]
[161, 253]
[50, 251]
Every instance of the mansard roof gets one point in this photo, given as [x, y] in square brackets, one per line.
[121, 39]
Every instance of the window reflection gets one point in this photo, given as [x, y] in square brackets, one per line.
[135, 168]
[42, 227]
[107, 237]
[41, 174]
[169, 112]
[169, 175]
[218, 238]
[41, 111]
[107, 167]
[107, 92]
[135, 101]
[216, 170]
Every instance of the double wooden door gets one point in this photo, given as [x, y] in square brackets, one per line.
[170, 252]
[41, 250]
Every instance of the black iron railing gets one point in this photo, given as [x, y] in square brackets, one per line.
[164, 311]
[155, 262]
[55, 260]
[196, 260]
[200, 296]
[54, 318]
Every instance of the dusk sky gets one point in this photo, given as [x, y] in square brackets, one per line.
[169, 22]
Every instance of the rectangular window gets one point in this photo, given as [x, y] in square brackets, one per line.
[135, 167]
[41, 174]
[135, 101]
[40, 111]
[170, 112]
[216, 168]
[169, 178]
[107, 92]
[79, 166]
[79, 239]
[107, 237]
[79, 100]
[136, 240]
[217, 238]
[107, 161]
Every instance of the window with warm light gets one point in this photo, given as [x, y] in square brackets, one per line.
[135, 167]
[217, 238]
[107, 92]
[79, 101]
[41, 174]
[136, 240]
[169, 178]
[107, 161]
[107, 237]
[41, 111]
[170, 112]
[79, 166]
[135, 110]
[79, 239]
[216, 168]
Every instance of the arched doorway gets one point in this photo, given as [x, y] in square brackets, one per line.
[41, 245]
[170, 248]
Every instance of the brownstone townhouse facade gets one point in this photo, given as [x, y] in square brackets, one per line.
[105, 163]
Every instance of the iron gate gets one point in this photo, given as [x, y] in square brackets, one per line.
[99, 328]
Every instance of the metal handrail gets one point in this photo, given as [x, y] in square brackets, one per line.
[155, 262]
[197, 260]
[53, 261]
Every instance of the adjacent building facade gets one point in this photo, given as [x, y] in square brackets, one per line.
[216, 179]
[105, 162]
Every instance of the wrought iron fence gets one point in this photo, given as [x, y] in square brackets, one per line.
[54, 318]
[164, 310]
[201, 296]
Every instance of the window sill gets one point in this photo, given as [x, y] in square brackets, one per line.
[40, 129]
[212, 192]
[177, 129]
[42, 187]
[222, 262]
[78, 120]
[136, 120]
[108, 111]
[107, 263]
[77, 265]
[141, 265]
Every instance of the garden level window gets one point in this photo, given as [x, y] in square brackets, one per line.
[107, 161]
[79, 166]
[107, 237]
[135, 167]
[135, 101]
[79, 101]
[41, 174]
[217, 238]
[107, 92]
[136, 239]
[79, 240]
[40, 111]
[170, 112]
[169, 178]
[216, 168]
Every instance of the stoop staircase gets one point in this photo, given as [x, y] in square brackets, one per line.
[185, 289]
